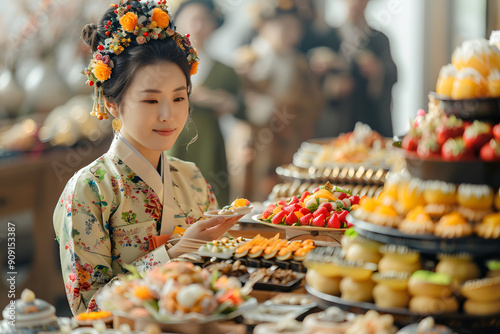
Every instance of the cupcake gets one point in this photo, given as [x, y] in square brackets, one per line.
[453, 225]
[445, 80]
[31, 315]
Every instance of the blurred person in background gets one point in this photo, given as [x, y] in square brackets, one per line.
[281, 93]
[357, 73]
[215, 93]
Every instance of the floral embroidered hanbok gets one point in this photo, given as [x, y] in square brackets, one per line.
[110, 210]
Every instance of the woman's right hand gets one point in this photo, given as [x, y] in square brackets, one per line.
[208, 229]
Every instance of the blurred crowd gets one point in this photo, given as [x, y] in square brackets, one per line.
[277, 77]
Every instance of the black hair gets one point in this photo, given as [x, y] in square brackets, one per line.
[133, 58]
[209, 4]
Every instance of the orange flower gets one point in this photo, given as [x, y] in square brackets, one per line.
[129, 21]
[160, 17]
[194, 68]
[102, 71]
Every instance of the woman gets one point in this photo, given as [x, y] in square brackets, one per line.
[216, 95]
[114, 211]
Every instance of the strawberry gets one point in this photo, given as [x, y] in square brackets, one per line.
[319, 221]
[282, 203]
[429, 147]
[292, 208]
[327, 205]
[278, 218]
[343, 216]
[409, 143]
[490, 151]
[306, 220]
[321, 211]
[451, 128]
[496, 131]
[271, 207]
[354, 199]
[291, 218]
[304, 211]
[334, 221]
[266, 214]
[293, 200]
[477, 134]
[304, 195]
[454, 149]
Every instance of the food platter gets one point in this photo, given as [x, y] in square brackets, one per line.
[426, 243]
[238, 212]
[468, 171]
[299, 228]
[403, 316]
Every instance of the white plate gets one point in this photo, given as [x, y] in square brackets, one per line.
[239, 212]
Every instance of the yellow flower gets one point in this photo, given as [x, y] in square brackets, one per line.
[102, 71]
[160, 17]
[129, 21]
[194, 68]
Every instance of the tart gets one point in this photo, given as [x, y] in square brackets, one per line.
[417, 221]
[325, 284]
[385, 215]
[398, 259]
[363, 249]
[489, 227]
[385, 296]
[483, 290]
[453, 225]
[431, 305]
[441, 198]
[356, 290]
[411, 194]
[427, 283]
[475, 201]
[475, 307]
[460, 267]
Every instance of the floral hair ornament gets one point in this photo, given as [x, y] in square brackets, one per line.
[133, 23]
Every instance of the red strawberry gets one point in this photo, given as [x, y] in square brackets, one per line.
[266, 214]
[429, 147]
[409, 143]
[354, 199]
[490, 151]
[291, 218]
[321, 211]
[304, 195]
[341, 195]
[477, 134]
[293, 200]
[343, 216]
[334, 221]
[496, 131]
[278, 218]
[319, 221]
[454, 149]
[306, 220]
[327, 205]
[304, 211]
[282, 203]
[451, 128]
[292, 208]
[271, 207]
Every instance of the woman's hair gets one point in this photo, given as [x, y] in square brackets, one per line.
[209, 4]
[133, 58]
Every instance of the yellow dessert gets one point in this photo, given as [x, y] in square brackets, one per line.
[468, 84]
[411, 194]
[445, 80]
[459, 267]
[398, 259]
[489, 227]
[494, 83]
[453, 225]
[417, 221]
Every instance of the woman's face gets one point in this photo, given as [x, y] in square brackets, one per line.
[195, 19]
[155, 107]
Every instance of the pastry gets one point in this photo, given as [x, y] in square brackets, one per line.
[385, 296]
[430, 305]
[325, 284]
[445, 80]
[469, 84]
[489, 228]
[385, 215]
[426, 326]
[373, 323]
[494, 83]
[411, 194]
[427, 283]
[475, 201]
[475, 307]
[417, 221]
[452, 225]
[393, 279]
[483, 290]
[398, 259]
[331, 320]
[363, 249]
[459, 267]
[441, 198]
[496, 201]
[239, 206]
[355, 290]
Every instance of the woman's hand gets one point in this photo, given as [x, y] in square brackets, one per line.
[208, 229]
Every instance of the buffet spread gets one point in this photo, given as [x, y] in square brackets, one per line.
[419, 226]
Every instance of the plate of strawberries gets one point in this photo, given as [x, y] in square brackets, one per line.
[326, 208]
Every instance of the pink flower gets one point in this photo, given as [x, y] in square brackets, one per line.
[153, 205]
[141, 40]
[98, 56]
[105, 59]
